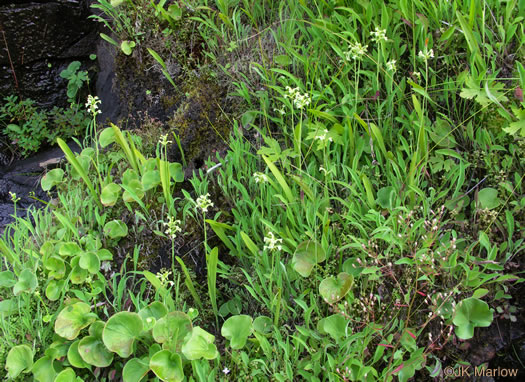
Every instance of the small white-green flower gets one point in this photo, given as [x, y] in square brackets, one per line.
[379, 35]
[356, 51]
[92, 105]
[226, 370]
[299, 100]
[426, 55]
[204, 202]
[260, 177]
[324, 136]
[164, 140]
[391, 65]
[106, 266]
[172, 227]
[14, 198]
[280, 111]
[272, 243]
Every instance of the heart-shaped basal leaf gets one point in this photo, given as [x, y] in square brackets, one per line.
[110, 194]
[176, 172]
[7, 279]
[333, 289]
[155, 310]
[74, 358]
[167, 366]
[77, 275]
[120, 332]
[56, 267]
[150, 179]
[54, 289]
[352, 266]
[237, 329]
[307, 254]
[471, 313]
[200, 345]
[488, 198]
[90, 262]
[66, 375]
[135, 369]
[27, 282]
[52, 178]
[70, 249]
[43, 370]
[19, 359]
[334, 325]
[133, 191]
[263, 324]
[106, 137]
[385, 197]
[72, 319]
[171, 330]
[92, 349]
[116, 229]
[127, 47]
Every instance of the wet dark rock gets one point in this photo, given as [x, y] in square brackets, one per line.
[39, 39]
[23, 178]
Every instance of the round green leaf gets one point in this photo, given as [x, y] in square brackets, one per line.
[133, 190]
[106, 137]
[74, 358]
[93, 352]
[52, 178]
[78, 275]
[471, 313]
[54, 289]
[171, 329]
[116, 229]
[307, 254]
[70, 249]
[66, 375]
[488, 198]
[151, 313]
[176, 172]
[127, 47]
[7, 279]
[150, 179]
[90, 262]
[237, 329]
[333, 289]
[19, 359]
[110, 194]
[263, 324]
[56, 267]
[27, 282]
[72, 319]
[334, 325]
[43, 370]
[200, 345]
[135, 369]
[385, 197]
[167, 366]
[352, 267]
[120, 333]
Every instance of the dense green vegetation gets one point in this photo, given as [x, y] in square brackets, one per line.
[368, 214]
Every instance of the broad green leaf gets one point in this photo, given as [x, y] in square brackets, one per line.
[74, 358]
[333, 289]
[7, 279]
[152, 313]
[72, 319]
[93, 352]
[385, 197]
[78, 275]
[150, 179]
[27, 282]
[70, 249]
[52, 178]
[334, 325]
[56, 267]
[488, 198]
[67, 375]
[127, 47]
[307, 254]
[263, 324]
[19, 359]
[135, 369]
[176, 172]
[90, 262]
[110, 194]
[121, 331]
[200, 345]
[237, 329]
[43, 370]
[172, 329]
[167, 366]
[54, 289]
[116, 229]
[471, 313]
[107, 137]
